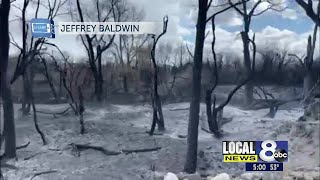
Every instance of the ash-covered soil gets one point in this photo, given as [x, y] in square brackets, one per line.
[119, 127]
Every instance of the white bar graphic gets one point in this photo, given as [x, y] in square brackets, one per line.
[109, 27]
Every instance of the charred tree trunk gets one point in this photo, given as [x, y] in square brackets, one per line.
[97, 71]
[272, 111]
[212, 113]
[70, 95]
[154, 118]
[215, 114]
[156, 101]
[90, 43]
[307, 85]
[60, 85]
[81, 110]
[8, 113]
[5, 89]
[35, 119]
[160, 123]
[192, 142]
[26, 103]
[247, 16]
[97, 83]
[308, 62]
[307, 6]
[49, 79]
[100, 80]
[247, 62]
[53, 90]
[125, 83]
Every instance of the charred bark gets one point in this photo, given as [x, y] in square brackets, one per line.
[26, 103]
[215, 114]
[308, 8]
[81, 110]
[35, 119]
[49, 79]
[192, 142]
[247, 62]
[94, 56]
[272, 111]
[247, 16]
[212, 114]
[154, 118]
[99, 81]
[125, 83]
[156, 101]
[5, 89]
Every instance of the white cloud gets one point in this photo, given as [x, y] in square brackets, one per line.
[183, 31]
[269, 38]
[289, 14]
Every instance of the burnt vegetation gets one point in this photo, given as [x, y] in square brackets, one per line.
[147, 70]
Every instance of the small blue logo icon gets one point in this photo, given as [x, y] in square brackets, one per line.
[42, 28]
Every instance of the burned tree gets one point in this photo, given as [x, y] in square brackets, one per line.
[96, 45]
[156, 101]
[215, 112]
[50, 80]
[179, 54]
[308, 8]
[306, 63]
[81, 110]
[30, 48]
[72, 82]
[247, 15]
[126, 45]
[192, 142]
[35, 120]
[9, 134]
[191, 159]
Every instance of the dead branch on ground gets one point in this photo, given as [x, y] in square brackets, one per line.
[9, 166]
[80, 147]
[32, 156]
[180, 109]
[41, 173]
[55, 113]
[23, 146]
[128, 151]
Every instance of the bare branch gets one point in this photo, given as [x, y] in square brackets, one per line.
[223, 10]
[236, 8]
[299, 58]
[214, 55]
[191, 55]
[249, 78]
[307, 6]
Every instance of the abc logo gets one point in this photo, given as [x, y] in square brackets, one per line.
[270, 152]
[280, 155]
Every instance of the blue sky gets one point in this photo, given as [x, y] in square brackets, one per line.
[300, 25]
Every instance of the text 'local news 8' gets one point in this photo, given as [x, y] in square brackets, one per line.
[268, 155]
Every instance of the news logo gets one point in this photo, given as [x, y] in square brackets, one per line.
[268, 151]
[42, 28]
[272, 151]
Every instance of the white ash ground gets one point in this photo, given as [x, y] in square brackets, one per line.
[117, 127]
